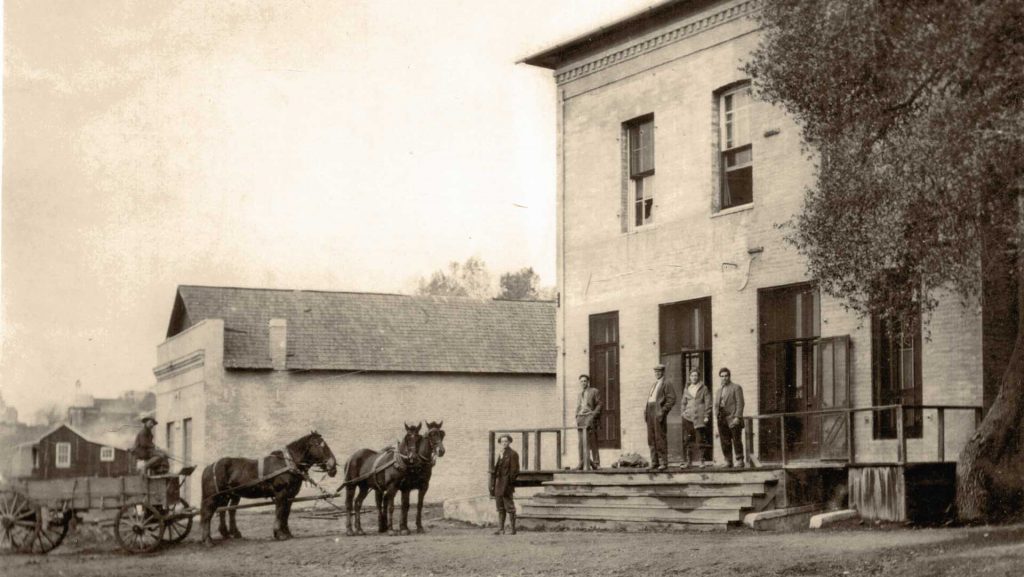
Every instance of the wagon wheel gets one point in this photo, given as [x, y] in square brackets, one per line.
[49, 532]
[176, 528]
[138, 528]
[17, 520]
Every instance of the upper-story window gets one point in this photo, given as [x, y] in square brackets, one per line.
[640, 136]
[63, 455]
[737, 156]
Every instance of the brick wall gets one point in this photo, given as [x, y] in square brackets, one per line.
[691, 251]
[255, 412]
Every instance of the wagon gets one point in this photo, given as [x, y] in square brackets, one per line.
[35, 514]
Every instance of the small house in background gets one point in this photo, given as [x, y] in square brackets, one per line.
[65, 452]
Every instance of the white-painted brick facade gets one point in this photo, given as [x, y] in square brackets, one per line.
[692, 252]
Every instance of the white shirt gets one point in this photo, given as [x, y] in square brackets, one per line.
[654, 391]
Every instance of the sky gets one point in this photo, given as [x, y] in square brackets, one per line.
[351, 145]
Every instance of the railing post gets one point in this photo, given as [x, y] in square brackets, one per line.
[526, 450]
[585, 457]
[901, 439]
[748, 445]
[852, 455]
[941, 423]
[558, 453]
[977, 418]
[782, 438]
[536, 450]
[490, 453]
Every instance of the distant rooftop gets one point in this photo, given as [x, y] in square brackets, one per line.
[375, 332]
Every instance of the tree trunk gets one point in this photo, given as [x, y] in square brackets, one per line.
[990, 471]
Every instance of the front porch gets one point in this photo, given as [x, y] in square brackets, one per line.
[897, 484]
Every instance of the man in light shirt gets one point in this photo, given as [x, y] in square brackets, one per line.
[659, 402]
[588, 409]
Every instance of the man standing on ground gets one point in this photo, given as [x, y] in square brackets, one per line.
[588, 409]
[729, 406]
[659, 403]
[503, 483]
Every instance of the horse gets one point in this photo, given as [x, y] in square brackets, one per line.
[367, 469]
[278, 476]
[418, 477]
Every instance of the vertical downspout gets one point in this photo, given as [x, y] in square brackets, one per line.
[561, 236]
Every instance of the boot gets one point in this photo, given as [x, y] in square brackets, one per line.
[512, 518]
[501, 523]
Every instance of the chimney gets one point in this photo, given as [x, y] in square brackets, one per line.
[278, 343]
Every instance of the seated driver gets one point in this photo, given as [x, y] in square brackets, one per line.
[150, 459]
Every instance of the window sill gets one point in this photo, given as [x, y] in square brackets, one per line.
[642, 229]
[733, 210]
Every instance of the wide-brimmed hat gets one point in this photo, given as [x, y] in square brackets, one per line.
[148, 417]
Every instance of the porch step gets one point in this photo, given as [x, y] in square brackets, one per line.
[661, 489]
[634, 500]
[709, 477]
[631, 513]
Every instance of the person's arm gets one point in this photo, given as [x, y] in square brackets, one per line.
[513, 472]
[707, 405]
[670, 399]
[739, 406]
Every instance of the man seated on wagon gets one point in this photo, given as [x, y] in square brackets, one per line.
[151, 460]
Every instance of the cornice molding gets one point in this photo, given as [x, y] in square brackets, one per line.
[646, 45]
[180, 365]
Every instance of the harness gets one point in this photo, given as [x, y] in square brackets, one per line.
[290, 467]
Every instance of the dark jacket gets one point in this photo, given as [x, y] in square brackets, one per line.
[729, 404]
[666, 399]
[143, 447]
[701, 405]
[505, 472]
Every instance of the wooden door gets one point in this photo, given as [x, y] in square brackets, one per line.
[604, 375]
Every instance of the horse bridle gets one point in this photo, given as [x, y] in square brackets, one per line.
[304, 465]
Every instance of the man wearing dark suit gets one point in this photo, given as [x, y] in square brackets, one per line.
[503, 483]
[729, 406]
[588, 409]
[659, 402]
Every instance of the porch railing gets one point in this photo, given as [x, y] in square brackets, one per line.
[829, 423]
[536, 451]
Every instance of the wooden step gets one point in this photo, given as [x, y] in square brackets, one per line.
[675, 502]
[724, 477]
[530, 523]
[659, 489]
[631, 513]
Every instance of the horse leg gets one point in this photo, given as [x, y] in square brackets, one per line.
[382, 519]
[232, 527]
[363, 490]
[349, 502]
[222, 528]
[205, 519]
[286, 511]
[419, 508]
[405, 512]
[279, 503]
[389, 501]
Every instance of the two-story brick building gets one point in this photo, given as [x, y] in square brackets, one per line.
[673, 181]
[245, 371]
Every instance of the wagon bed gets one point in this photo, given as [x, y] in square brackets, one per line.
[35, 513]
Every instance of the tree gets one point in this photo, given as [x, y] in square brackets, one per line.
[50, 414]
[520, 285]
[469, 279]
[914, 114]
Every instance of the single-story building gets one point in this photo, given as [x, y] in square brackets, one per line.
[65, 452]
[244, 371]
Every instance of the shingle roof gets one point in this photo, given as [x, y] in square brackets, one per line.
[375, 332]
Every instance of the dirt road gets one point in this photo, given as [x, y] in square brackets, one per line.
[449, 548]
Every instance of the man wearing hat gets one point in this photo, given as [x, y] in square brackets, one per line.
[659, 403]
[153, 459]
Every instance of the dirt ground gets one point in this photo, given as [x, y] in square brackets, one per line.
[452, 548]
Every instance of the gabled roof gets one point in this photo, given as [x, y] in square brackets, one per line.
[118, 440]
[375, 332]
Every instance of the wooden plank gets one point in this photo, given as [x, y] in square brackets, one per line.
[753, 490]
[536, 450]
[678, 503]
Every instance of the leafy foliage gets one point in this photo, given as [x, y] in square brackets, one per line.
[913, 112]
[469, 279]
[520, 285]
